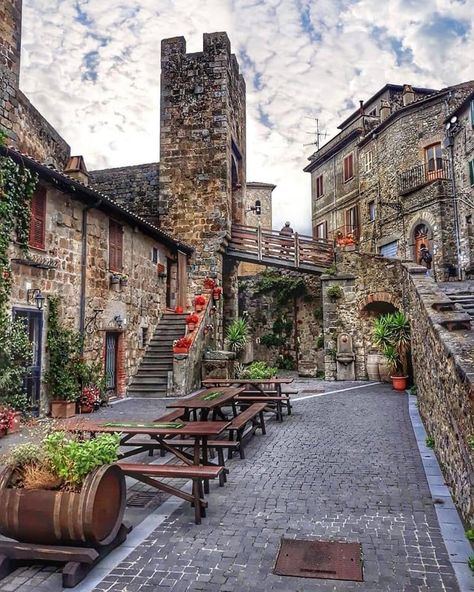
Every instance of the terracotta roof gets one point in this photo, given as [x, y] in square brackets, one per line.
[93, 197]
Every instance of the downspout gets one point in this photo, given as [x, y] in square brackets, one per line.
[455, 212]
[82, 297]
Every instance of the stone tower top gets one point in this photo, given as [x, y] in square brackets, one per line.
[10, 36]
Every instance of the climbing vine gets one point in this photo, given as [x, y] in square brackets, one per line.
[284, 287]
[17, 185]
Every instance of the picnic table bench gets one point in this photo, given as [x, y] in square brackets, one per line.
[278, 401]
[239, 423]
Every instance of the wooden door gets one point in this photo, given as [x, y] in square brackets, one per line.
[111, 354]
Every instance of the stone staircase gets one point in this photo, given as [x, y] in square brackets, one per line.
[151, 379]
[465, 298]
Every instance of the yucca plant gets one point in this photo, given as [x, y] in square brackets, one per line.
[391, 332]
[237, 335]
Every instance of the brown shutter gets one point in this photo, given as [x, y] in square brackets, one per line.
[115, 246]
[38, 219]
[112, 250]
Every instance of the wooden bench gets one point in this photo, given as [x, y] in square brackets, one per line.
[238, 425]
[259, 399]
[171, 416]
[149, 473]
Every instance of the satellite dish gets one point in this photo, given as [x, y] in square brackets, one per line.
[453, 119]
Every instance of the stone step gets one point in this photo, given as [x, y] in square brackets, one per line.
[149, 381]
[147, 388]
[152, 373]
[147, 395]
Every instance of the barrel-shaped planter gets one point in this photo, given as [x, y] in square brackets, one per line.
[93, 515]
[373, 361]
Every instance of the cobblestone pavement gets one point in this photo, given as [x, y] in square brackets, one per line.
[345, 466]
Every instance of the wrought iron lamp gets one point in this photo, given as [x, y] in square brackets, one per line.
[35, 296]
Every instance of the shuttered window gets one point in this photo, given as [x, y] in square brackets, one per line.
[348, 167]
[38, 219]
[115, 246]
[471, 172]
[319, 186]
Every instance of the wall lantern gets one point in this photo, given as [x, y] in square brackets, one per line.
[35, 296]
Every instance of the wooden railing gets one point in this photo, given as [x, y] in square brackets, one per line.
[270, 247]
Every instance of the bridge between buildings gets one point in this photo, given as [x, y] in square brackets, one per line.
[269, 247]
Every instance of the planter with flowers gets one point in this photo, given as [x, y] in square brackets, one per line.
[216, 293]
[7, 419]
[89, 399]
[179, 310]
[191, 321]
[209, 284]
[15, 422]
[199, 303]
[124, 280]
[182, 345]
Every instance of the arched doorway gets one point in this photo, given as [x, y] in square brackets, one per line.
[421, 239]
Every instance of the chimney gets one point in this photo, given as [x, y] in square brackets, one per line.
[76, 168]
[408, 95]
[10, 38]
[385, 110]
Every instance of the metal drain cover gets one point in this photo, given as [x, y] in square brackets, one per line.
[320, 559]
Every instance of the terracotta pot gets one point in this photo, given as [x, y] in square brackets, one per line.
[198, 307]
[16, 424]
[179, 310]
[92, 515]
[399, 383]
[191, 326]
[63, 409]
[180, 350]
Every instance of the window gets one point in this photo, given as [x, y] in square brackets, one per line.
[352, 220]
[389, 250]
[319, 186]
[38, 219]
[372, 211]
[433, 158]
[368, 161]
[155, 255]
[321, 230]
[471, 172]
[373, 112]
[348, 167]
[115, 246]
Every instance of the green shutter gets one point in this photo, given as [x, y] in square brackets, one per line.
[472, 113]
[471, 172]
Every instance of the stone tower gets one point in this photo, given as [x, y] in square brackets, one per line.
[10, 53]
[202, 151]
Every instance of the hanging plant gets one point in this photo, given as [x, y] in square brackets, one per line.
[17, 185]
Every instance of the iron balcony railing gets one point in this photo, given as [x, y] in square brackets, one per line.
[433, 170]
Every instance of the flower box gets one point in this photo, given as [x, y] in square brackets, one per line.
[63, 409]
[160, 268]
[124, 280]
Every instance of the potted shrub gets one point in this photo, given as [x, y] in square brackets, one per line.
[191, 321]
[124, 280]
[237, 335]
[216, 293]
[51, 480]
[392, 334]
[258, 371]
[89, 399]
[182, 345]
[199, 303]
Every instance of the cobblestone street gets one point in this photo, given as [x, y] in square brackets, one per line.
[345, 467]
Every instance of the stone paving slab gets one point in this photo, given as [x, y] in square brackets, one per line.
[344, 467]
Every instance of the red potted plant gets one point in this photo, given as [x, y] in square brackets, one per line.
[209, 284]
[199, 303]
[216, 293]
[191, 321]
[179, 310]
[182, 345]
[89, 399]
[7, 418]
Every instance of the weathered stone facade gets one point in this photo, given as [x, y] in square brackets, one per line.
[76, 225]
[135, 187]
[25, 127]
[202, 148]
[390, 192]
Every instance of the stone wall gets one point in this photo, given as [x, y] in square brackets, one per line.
[140, 303]
[135, 187]
[25, 127]
[202, 148]
[301, 342]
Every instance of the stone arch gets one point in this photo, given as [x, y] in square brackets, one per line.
[379, 303]
[423, 218]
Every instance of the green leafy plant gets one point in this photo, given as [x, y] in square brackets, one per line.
[331, 352]
[391, 333]
[430, 441]
[320, 341]
[332, 270]
[72, 460]
[470, 441]
[318, 313]
[320, 375]
[259, 370]
[413, 390]
[16, 355]
[24, 454]
[286, 362]
[237, 335]
[334, 292]
[470, 563]
[65, 355]
[284, 287]
[470, 534]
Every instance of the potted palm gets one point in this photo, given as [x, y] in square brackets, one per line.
[392, 334]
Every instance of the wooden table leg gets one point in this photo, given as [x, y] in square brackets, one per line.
[205, 461]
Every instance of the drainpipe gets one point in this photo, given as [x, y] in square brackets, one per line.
[82, 297]
[455, 211]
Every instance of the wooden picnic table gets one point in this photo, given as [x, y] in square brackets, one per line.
[248, 384]
[208, 400]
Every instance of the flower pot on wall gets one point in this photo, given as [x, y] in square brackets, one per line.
[191, 327]
[15, 425]
[63, 409]
[399, 383]
[180, 350]
[124, 282]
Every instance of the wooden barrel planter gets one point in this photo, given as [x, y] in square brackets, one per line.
[92, 516]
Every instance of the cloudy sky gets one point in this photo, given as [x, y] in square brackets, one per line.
[93, 68]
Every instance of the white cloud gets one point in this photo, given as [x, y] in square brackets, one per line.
[97, 78]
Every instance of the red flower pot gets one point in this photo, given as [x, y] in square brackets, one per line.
[180, 350]
[179, 310]
[15, 427]
[399, 383]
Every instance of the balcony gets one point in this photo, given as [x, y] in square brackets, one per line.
[422, 174]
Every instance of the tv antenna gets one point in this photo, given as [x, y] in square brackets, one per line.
[318, 133]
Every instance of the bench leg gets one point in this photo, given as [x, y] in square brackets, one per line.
[279, 414]
[197, 502]
[221, 462]
[201, 497]
[231, 438]
[240, 440]
[262, 423]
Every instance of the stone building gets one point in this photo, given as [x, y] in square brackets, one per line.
[385, 180]
[459, 143]
[103, 262]
[257, 212]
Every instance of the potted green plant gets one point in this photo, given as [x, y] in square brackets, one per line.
[392, 334]
[258, 371]
[124, 280]
[237, 335]
[51, 479]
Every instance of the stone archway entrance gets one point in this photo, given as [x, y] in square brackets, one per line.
[421, 239]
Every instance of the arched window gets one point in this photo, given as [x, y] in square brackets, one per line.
[422, 239]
